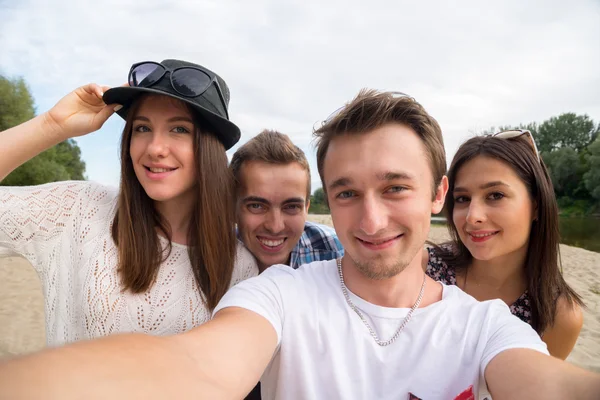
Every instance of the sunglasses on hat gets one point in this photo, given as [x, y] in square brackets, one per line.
[187, 81]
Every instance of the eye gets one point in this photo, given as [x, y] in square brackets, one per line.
[461, 199]
[293, 208]
[496, 196]
[397, 189]
[141, 128]
[180, 129]
[255, 207]
[346, 194]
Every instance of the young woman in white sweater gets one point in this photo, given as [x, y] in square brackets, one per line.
[156, 255]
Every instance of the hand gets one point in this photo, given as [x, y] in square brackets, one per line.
[80, 112]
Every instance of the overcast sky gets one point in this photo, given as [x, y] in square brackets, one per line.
[289, 64]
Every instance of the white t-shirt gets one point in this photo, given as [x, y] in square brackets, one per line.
[326, 352]
[63, 229]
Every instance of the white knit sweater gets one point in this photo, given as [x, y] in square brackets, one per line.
[63, 229]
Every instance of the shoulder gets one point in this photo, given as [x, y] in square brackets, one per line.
[468, 306]
[73, 188]
[67, 195]
[244, 266]
[314, 230]
[306, 277]
[568, 314]
[568, 321]
[318, 236]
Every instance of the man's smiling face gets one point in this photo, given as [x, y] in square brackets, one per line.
[272, 207]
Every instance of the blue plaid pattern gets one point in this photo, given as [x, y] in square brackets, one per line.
[317, 243]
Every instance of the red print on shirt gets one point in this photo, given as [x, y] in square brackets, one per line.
[467, 394]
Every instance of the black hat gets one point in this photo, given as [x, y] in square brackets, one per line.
[209, 105]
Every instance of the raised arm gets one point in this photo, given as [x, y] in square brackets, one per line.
[222, 359]
[78, 113]
[527, 374]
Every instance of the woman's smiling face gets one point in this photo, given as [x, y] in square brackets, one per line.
[162, 148]
[493, 210]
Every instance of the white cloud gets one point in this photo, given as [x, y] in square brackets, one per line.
[290, 63]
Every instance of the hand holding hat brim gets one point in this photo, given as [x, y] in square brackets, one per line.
[80, 112]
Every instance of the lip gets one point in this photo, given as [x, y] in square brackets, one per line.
[270, 249]
[490, 234]
[156, 165]
[158, 175]
[381, 243]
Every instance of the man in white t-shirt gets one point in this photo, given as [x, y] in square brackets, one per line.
[368, 326]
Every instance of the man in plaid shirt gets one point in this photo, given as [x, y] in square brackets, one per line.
[273, 190]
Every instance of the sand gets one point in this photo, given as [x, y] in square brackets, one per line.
[22, 304]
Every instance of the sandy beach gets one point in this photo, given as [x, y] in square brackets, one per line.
[22, 304]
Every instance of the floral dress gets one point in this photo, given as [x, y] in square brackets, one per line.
[440, 271]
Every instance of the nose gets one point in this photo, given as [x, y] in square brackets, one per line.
[158, 146]
[476, 213]
[374, 215]
[274, 222]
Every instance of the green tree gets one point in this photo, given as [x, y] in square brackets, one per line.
[317, 203]
[566, 130]
[16, 103]
[591, 178]
[319, 196]
[566, 171]
[62, 162]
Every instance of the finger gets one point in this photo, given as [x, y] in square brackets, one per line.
[103, 115]
[126, 84]
[98, 91]
[93, 89]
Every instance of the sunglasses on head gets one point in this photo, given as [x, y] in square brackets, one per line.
[187, 81]
[394, 95]
[515, 133]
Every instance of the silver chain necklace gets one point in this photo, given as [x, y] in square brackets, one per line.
[362, 318]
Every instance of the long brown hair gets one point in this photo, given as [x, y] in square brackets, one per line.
[211, 235]
[545, 283]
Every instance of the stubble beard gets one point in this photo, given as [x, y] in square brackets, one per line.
[376, 270]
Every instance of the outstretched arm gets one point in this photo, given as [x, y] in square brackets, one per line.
[527, 374]
[78, 113]
[222, 359]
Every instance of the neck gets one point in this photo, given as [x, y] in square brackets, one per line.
[177, 214]
[500, 272]
[399, 291]
[262, 267]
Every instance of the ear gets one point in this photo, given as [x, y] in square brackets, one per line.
[440, 196]
[534, 212]
[307, 205]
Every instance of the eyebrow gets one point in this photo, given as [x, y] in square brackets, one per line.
[484, 186]
[256, 199]
[386, 176]
[294, 200]
[174, 119]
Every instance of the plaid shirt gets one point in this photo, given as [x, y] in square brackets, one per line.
[317, 243]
